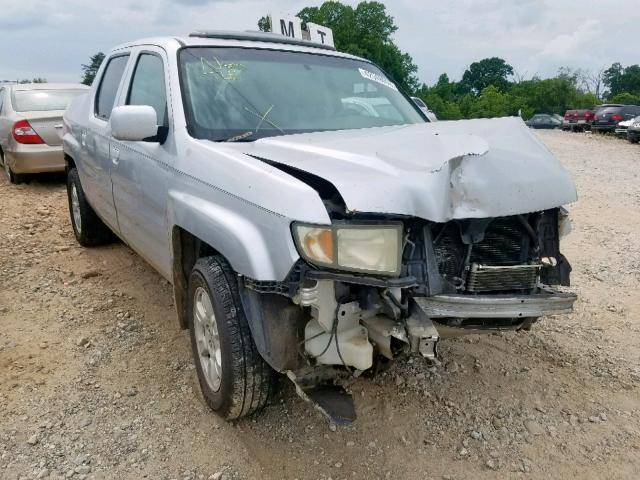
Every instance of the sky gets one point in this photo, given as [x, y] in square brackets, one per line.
[42, 38]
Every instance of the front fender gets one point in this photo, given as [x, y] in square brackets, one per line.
[256, 242]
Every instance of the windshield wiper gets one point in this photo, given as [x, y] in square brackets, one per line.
[262, 118]
[238, 138]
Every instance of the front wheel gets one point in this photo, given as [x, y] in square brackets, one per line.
[234, 379]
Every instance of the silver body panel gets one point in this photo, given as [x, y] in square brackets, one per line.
[243, 207]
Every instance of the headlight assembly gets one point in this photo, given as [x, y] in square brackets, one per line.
[355, 247]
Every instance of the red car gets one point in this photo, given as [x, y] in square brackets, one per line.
[578, 120]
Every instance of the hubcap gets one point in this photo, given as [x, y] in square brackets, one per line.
[75, 209]
[207, 338]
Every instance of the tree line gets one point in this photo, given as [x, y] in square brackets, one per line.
[488, 88]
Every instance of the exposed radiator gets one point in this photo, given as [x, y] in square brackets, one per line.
[483, 278]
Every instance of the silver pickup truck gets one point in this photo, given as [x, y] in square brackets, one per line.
[310, 218]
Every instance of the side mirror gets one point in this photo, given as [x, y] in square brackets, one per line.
[134, 123]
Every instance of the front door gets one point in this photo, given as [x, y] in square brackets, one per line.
[139, 170]
[95, 165]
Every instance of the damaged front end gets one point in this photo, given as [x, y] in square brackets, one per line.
[462, 276]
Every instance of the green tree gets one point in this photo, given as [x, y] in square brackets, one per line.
[264, 24]
[90, 70]
[625, 98]
[33, 80]
[488, 71]
[365, 31]
[619, 79]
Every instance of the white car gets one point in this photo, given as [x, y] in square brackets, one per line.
[623, 127]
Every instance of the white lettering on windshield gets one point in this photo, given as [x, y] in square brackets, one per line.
[374, 77]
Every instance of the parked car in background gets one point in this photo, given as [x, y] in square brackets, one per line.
[423, 107]
[31, 126]
[621, 128]
[633, 132]
[607, 117]
[577, 120]
[544, 120]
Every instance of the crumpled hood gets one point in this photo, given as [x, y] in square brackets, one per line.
[436, 171]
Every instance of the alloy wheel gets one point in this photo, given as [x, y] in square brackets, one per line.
[207, 338]
[75, 209]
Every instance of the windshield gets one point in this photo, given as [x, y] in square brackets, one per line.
[44, 100]
[244, 94]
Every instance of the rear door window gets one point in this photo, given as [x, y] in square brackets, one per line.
[148, 87]
[109, 84]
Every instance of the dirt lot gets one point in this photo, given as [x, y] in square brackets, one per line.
[96, 379]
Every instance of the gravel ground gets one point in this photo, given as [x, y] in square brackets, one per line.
[96, 379]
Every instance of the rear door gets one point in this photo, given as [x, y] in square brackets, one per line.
[95, 168]
[139, 170]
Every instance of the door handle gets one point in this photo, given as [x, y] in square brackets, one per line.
[115, 155]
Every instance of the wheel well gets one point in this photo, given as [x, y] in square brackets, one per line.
[187, 249]
[69, 163]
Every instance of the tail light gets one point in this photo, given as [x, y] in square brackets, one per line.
[617, 117]
[23, 132]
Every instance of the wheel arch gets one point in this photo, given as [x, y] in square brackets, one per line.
[186, 249]
[69, 163]
[273, 320]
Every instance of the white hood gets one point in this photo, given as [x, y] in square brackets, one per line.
[436, 171]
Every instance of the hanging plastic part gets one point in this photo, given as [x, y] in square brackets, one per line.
[332, 401]
[423, 335]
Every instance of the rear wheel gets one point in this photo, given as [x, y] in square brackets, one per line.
[89, 230]
[234, 379]
[11, 176]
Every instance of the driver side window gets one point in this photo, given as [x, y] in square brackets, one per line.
[148, 86]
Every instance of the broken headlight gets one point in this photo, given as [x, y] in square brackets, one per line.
[356, 247]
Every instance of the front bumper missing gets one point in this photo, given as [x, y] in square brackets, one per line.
[496, 306]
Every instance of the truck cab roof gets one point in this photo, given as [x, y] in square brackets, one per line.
[228, 38]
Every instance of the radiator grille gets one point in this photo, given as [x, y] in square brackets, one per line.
[483, 278]
[499, 262]
[503, 243]
[450, 251]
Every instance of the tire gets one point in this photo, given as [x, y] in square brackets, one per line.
[14, 178]
[89, 230]
[235, 381]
